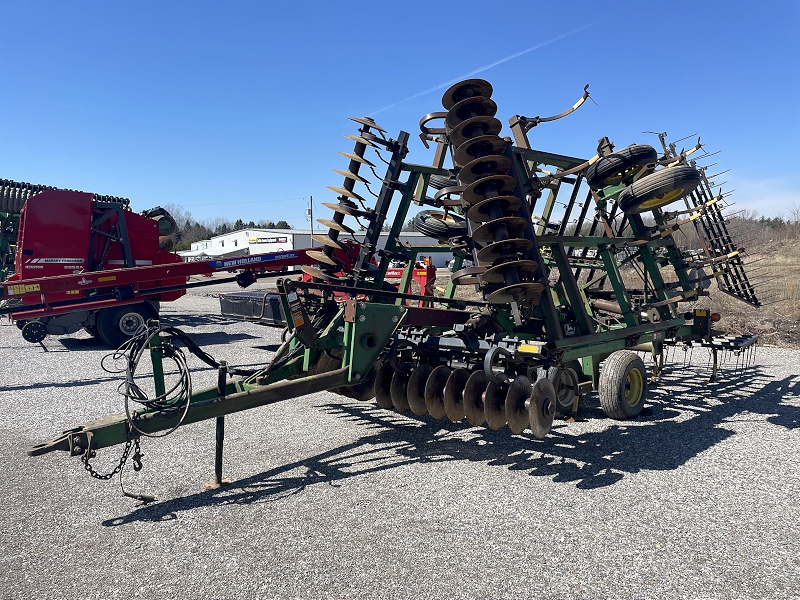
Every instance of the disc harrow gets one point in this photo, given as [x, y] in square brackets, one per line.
[567, 289]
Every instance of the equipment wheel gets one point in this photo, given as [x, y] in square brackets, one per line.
[440, 225]
[659, 189]
[564, 380]
[609, 170]
[623, 385]
[117, 325]
[438, 182]
[34, 331]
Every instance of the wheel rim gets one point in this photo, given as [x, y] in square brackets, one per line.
[565, 392]
[634, 386]
[620, 175]
[660, 200]
[129, 323]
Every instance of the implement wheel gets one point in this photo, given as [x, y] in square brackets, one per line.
[623, 385]
[659, 189]
[117, 325]
[609, 170]
[440, 225]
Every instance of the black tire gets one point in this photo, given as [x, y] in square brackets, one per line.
[438, 182]
[117, 325]
[609, 170]
[564, 385]
[623, 385]
[440, 226]
[659, 189]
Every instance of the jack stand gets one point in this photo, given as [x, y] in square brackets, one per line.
[220, 438]
[714, 367]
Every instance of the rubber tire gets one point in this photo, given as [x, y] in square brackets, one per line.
[608, 170]
[434, 224]
[563, 405]
[438, 182]
[658, 185]
[108, 322]
[613, 378]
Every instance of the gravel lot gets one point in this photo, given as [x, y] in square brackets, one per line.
[333, 498]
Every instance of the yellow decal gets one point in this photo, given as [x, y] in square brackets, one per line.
[24, 289]
[73, 291]
[700, 313]
[109, 278]
[528, 348]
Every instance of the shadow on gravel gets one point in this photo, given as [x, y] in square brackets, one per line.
[181, 320]
[682, 421]
[77, 344]
[218, 337]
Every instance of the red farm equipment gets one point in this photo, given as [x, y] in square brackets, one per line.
[63, 232]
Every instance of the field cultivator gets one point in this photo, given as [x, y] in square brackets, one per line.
[575, 272]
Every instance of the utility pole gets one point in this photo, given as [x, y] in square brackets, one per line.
[310, 212]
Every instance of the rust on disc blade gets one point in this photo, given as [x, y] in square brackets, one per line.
[398, 391]
[467, 276]
[542, 407]
[343, 192]
[320, 274]
[454, 394]
[489, 126]
[493, 252]
[479, 106]
[416, 389]
[480, 212]
[465, 89]
[336, 226]
[326, 241]
[485, 166]
[525, 268]
[368, 122]
[494, 405]
[473, 398]
[434, 391]
[383, 385]
[516, 409]
[350, 175]
[498, 184]
[356, 158]
[322, 257]
[485, 233]
[348, 210]
[487, 144]
[360, 140]
[520, 292]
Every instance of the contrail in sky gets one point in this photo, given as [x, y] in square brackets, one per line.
[484, 68]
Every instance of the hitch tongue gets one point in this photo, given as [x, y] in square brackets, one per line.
[69, 441]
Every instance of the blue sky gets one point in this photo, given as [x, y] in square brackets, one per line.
[237, 109]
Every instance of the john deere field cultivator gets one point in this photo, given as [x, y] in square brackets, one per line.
[575, 273]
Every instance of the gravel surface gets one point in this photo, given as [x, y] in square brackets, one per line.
[333, 498]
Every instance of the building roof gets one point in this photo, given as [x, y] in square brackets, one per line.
[321, 230]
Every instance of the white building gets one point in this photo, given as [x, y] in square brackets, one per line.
[263, 241]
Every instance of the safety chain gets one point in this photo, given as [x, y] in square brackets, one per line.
[137, 460]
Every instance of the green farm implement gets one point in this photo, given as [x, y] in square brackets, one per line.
[575, 271]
